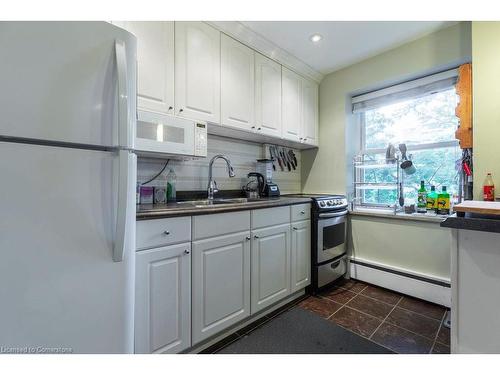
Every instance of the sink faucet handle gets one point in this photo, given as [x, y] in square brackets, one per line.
[215, 189]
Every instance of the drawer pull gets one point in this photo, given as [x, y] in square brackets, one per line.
[166, 233]
[255, 236]
[248, 238]
[295, 228]
[302, 212]
[187, 251]
[335, 265]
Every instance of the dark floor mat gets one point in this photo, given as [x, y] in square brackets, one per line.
[298, 331]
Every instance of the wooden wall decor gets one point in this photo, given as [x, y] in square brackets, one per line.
[464, 108]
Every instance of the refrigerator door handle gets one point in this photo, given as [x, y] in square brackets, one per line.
[123, 100]
[126, 202]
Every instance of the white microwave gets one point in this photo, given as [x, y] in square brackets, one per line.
[162, 135]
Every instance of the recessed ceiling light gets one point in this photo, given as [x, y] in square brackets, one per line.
[315, 38]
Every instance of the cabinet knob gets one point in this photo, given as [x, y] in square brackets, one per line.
[181, 110]
[166, 232]
[255, 236]
[302, 212]
[259, 128]
[170, 108]
[295, 228]
[253, 127]
[248, 238]
[187, 252]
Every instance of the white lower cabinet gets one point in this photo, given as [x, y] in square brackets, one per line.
[270, 266]
[221, 283]
[226, 267]
[163, 299]
[301, 255]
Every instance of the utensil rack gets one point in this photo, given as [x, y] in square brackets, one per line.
[288, 161]
[360, 165]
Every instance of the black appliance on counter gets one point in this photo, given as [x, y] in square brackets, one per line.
[328, 239]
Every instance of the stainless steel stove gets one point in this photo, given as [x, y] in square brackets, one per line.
[328, 239]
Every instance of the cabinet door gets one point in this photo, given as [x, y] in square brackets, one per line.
[163, 299]
[197, 71]
[301, 255]
[237, 84]
[221, 283]
[309, 126]
[267, 96]
[291, 104]
[270, 266]
[155, 64]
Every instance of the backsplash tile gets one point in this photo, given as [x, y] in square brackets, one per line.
[193, 174]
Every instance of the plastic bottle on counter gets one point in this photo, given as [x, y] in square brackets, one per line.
[488, 189]
[422, 199]
[443, 202]
[160, 190]
[432, 200]
[171, 185]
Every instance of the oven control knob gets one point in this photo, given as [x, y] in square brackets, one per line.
[337, 202]
[329, 203]
[322, 204]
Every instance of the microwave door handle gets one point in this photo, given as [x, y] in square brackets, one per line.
[124, 135]
[333, 214]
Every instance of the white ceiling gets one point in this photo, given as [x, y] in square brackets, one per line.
[344, 42]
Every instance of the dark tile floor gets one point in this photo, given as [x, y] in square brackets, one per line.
[401, 323]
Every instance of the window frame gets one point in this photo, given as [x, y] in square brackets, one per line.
[359, 174]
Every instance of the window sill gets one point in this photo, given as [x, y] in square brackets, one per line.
[373, 212]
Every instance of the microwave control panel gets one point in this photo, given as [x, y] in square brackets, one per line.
[200, 140]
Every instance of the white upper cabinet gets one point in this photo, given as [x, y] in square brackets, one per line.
[155, 64]
[197, 71]
[267, 96]
[309, 124]
[237, 84]
[291, 104]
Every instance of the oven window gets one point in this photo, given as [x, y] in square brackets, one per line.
[333, 235]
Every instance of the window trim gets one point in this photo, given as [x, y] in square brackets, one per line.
[377, 151]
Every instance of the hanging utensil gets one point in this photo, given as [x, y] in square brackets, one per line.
[276, 153]
[271, 154]
[289, 156]
[287, 163]
[292, 154]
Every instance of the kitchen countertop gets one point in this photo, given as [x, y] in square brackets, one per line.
[156, 211]
[471, 221]
[388, 214]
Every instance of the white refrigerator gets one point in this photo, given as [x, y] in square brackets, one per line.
[67, 190]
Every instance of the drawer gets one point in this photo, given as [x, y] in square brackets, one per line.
[300, 211]
[161, 232]
[205, 226]
[270, 216]
[331, 271]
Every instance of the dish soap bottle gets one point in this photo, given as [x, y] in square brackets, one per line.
[432, 200]
[422, 199]
[488, 189]
[171, 188]
[443, 202]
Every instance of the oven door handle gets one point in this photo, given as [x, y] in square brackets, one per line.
[333, 214]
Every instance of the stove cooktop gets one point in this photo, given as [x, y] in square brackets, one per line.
[325, 202]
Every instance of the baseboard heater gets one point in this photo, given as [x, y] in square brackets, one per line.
[419, 286]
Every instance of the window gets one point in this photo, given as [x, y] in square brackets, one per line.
[420, 114]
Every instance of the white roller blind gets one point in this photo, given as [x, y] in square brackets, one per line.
[405, 91]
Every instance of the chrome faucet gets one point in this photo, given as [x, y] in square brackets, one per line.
[212, 185]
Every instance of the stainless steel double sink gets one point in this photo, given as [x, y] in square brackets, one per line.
[219, 201]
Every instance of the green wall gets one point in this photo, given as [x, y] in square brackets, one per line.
[486, 103]
[325, 170]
